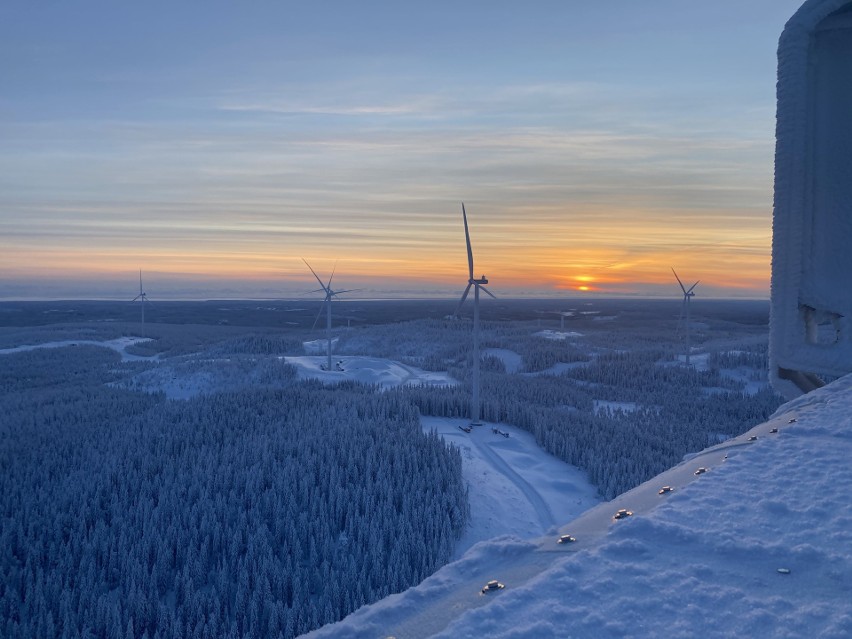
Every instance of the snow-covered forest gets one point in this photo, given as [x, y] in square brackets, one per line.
[260, 513]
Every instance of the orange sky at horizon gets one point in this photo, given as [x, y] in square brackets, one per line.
[618, 257]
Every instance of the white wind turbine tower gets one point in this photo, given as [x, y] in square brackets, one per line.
[687, 295]
[329, 293]
[143, 297]
[562, 315]
[477, 285]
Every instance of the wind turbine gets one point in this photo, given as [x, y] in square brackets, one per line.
[143, 297]
[687, 295]
[329, 293]
[562, 315]
[477, 284]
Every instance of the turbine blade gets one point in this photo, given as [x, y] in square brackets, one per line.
[136, 298]
[467, 239]
[348, 290]
[322, 307]
[140, 281]
[679, 282]
[692, 287]
[463, 298]
[332, 275]
[314, 272]
[482, 288]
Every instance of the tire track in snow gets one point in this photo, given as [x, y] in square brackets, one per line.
[545, 516]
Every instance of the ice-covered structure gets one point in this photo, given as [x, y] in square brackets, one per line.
[811, 333]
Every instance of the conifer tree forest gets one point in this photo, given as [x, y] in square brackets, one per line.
[259, 504]
[251, 514]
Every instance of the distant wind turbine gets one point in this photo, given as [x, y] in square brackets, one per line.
[687, 295]
[562, 316]
[143, 297]
[477, 285]
[329, 294]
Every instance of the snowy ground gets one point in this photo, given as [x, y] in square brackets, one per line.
[696, 360]
[319, 346]
[119, 345]
[186, 378]
[369, 370]
[603, 405]
[756, 546]
[745, 376]
[515, 487]
[514, 362]
[557, 335]
[511, 360]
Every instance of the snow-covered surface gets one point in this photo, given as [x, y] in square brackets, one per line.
[557, 335]
[745, 376]
[119, 345]
[604, 405]
[369, 370]
[702, 560]
[812, 225]
[180, 384]
[184, 378]
[319, 346]
[511, 360]
[699, 361]
[515, 487]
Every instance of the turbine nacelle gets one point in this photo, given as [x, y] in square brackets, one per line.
[686, 292]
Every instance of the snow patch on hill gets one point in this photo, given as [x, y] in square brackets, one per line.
[369, 370]
[511, 360]
[557, 335]
[601, 405]
[119, 345]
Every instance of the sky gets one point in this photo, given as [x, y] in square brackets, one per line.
[213, 145]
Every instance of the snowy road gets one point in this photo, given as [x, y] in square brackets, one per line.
[545, 517]
[515, 487]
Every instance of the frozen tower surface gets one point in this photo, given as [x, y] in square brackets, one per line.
[811, 325]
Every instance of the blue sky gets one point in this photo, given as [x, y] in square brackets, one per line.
[215, 144]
